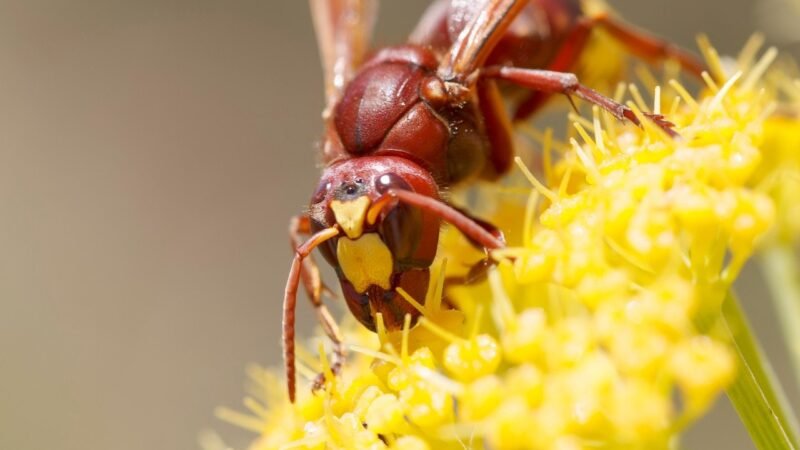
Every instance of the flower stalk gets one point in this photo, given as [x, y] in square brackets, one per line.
[780, 269]
[756, 394]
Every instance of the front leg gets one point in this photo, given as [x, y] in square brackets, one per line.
[552, 82]
[312, 283]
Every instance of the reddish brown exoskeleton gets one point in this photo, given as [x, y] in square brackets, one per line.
[409, 121]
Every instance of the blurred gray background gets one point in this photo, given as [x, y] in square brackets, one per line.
[151, 153]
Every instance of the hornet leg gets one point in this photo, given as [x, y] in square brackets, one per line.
[639, 43]
[551, 82]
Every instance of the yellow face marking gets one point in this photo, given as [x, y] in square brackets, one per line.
[365, 261]
[350, 215]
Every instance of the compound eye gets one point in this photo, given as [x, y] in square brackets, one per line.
[401, 226]
[390, 181]
[321, 192]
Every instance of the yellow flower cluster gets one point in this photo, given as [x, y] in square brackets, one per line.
[597, 329]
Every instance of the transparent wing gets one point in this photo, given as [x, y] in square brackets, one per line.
[479, 24]
[344, 29]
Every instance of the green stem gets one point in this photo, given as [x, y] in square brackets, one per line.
[782, 274]
[756, 393]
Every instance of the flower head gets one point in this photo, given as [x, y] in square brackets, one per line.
[597, 326]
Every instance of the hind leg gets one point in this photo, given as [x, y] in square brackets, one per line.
[550, 82]
[639, 43]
